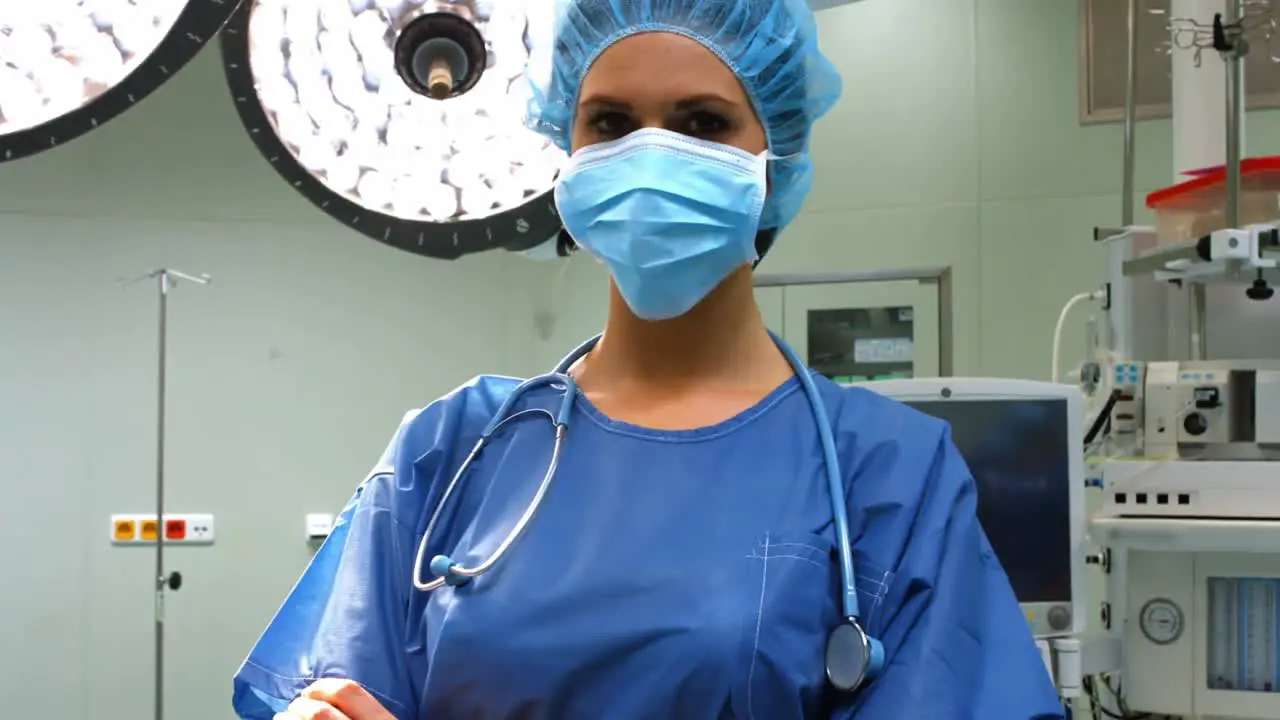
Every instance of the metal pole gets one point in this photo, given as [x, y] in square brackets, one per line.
[1234, 62]
[1130, 118]
[165, 279]
[162, 582]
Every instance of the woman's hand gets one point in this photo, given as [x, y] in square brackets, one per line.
[335, 699]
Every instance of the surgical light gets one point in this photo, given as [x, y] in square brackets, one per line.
[402, 119]
[67, 66]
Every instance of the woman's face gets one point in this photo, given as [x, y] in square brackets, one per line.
[663, 80]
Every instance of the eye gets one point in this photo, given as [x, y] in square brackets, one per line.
[705, 124]
[610, 124]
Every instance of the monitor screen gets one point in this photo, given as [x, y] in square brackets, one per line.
[1018, 453]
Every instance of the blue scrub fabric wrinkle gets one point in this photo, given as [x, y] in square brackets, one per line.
[687, 574]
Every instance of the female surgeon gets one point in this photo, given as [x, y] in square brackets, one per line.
[683, 563]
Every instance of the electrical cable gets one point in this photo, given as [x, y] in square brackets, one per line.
[1056, 375]
[1117, 692]
[1102, 420]
[1096, 710]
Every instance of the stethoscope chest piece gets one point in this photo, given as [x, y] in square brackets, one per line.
[852, 657]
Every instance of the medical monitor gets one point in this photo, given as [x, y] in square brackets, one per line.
[1023, 441]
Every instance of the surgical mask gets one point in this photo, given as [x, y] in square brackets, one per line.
[671, 216]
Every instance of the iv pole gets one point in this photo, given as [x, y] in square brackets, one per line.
[1130, 116]
[165, 279]
[1229, 41]
[1226, 36]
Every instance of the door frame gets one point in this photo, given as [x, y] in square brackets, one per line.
[938, 277]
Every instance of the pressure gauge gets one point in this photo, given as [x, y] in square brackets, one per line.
[1161, 621]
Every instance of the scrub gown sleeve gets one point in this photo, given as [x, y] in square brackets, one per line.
[346, 616]
[956, 643]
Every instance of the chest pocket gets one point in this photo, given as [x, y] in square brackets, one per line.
[791, 584]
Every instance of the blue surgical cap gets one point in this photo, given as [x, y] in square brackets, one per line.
[771, 45]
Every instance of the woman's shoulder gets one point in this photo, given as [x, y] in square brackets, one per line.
[893, 454]
[869, 419]
[444, 430]
[457, 415]
[905, 480]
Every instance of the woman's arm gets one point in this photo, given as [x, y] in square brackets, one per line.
[957, 645]
[345, 618]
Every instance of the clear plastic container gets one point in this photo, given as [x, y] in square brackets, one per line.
[1192, 209]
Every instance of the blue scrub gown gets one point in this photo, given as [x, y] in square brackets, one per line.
[688, 574]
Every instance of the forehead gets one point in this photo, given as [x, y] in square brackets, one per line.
[660, 67]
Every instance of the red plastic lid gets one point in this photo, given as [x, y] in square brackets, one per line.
[1201, 172]
[1207, 186]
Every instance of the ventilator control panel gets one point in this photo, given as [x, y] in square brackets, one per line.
[1126, 416]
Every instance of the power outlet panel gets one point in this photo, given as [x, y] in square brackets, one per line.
[177, 529]
[319, 526]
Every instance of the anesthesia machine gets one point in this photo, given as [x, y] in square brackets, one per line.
[1137, 510]
[1182, 392]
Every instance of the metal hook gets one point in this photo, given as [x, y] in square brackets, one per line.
[169, 275]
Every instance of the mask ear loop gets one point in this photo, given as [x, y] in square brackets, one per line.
[764, 242]
[766, 237]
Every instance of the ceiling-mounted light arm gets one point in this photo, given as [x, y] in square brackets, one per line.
[338, 96]
[66, 70]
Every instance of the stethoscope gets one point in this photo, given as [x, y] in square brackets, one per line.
[852, 656]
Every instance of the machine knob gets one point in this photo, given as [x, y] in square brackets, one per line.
[1195, 424]
[1260, 290]
[1059, 618]
[174, 581]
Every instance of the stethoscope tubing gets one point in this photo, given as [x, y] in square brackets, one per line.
[451, 573]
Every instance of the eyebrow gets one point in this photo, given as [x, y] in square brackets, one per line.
[705, 99]
[682, 104]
